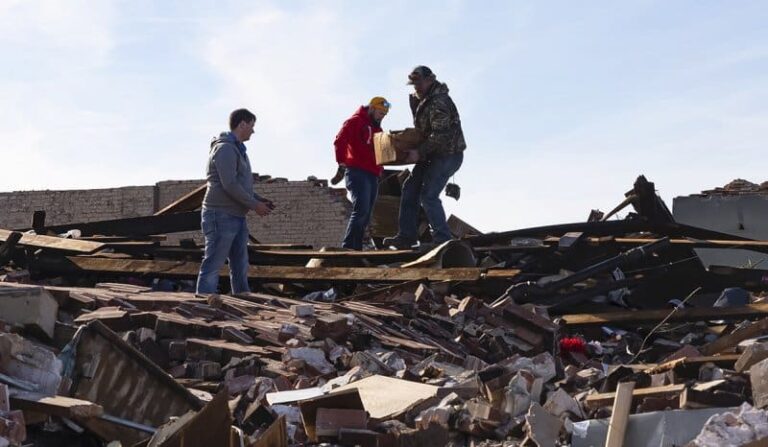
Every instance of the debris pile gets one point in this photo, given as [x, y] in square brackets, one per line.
[605, 332]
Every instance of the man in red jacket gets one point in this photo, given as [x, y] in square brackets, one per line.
[354, 154]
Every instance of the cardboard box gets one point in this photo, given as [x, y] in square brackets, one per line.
[397, 147]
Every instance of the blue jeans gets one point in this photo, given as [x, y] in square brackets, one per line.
[226, 239]
[363, 187]
[427, 180]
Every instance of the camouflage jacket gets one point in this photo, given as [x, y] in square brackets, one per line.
[438, 119]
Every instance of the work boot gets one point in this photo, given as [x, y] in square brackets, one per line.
[398, 242]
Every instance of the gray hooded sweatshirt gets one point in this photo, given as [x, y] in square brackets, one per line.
[229, 177]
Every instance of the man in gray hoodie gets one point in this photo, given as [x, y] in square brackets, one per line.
[227, 200]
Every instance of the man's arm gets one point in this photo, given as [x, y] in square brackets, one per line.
[341, 141]
[349, 135]
[225, 160]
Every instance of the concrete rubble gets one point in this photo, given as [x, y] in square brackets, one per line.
[523, 338]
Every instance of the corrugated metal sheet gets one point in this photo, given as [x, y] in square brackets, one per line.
[113, 374]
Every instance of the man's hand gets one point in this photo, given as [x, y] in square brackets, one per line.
[339, 174]
[269, 203]
[262, 209]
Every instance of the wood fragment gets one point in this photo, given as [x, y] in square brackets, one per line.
[622, 405]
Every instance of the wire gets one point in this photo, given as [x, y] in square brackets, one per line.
[645, 340]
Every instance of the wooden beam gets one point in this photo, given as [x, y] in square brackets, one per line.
[191, 201]
[608, 228]
[290, 273]
[62, 406]
[656, 315]
[370, 254]
[689, 243]
[135, 226]
[729, 341]
[274, 436]
[53, 242]
[622, 405]
[692, 399]
[604, 399]
[694, 363]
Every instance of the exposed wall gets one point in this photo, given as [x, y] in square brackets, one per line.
[741, 215]
[308, 211]
[62, 207]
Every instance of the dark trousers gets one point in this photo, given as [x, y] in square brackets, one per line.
[423, 187]
[363, 187]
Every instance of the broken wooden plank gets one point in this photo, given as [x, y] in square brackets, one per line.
[235, 349]
[373, 254]
[656, 315]
[605, 399]
[61, 406]
[461, 229]
[207, 427]
[191, 201]
[693, 399]
[53, 242]
[343, 399]
[694, 363]
[135, 226]
[726, 342]
[688, 243]
[387, 397]
[290, 273]
[607, 228]
[622, 405]
[274, 436]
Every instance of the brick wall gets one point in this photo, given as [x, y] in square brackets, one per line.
[61, 207]
[308, 212]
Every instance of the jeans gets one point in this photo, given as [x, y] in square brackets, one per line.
[363, 187]
[226, 239]
[424, 185]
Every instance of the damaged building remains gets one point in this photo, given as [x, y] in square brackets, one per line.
[642, 331]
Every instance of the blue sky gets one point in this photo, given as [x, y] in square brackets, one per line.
[563, 103]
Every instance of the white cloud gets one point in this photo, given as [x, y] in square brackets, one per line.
[56, 31]
[292, 66]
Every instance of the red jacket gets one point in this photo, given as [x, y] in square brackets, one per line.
[354, 143]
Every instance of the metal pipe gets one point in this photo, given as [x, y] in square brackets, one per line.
[127, 423]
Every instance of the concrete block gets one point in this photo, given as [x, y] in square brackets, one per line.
[303, 310]
[758, 375]
[754, 353]
[335, 327]
[29, 306]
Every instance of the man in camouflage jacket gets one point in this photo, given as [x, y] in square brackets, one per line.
[440, 156]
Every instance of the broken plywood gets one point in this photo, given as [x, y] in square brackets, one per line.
[385, 397]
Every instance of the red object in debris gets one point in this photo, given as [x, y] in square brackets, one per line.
[573, 344]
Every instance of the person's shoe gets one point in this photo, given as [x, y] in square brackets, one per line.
[426, 246]
[398, 242]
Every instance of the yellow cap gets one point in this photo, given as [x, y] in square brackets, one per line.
[379, 103]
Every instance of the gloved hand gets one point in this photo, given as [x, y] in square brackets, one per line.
[339, 174]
